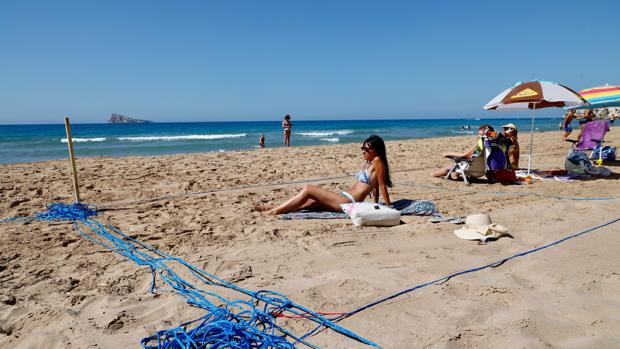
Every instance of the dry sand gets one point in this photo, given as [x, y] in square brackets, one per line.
[58, 290]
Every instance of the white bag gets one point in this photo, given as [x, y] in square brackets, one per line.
[366, 213]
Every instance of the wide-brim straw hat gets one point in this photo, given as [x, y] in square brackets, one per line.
[480, 227]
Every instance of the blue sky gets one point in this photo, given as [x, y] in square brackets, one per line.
[259, 60]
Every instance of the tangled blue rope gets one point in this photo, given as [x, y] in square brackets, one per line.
[232, 324]
[243, 324]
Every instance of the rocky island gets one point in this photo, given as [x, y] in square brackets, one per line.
[122, 119]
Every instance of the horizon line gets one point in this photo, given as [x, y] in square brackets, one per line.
[304, 120]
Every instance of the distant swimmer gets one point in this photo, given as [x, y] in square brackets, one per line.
[466, 127]
[261, 140]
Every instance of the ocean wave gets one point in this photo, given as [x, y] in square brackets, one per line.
[97, 139]
[180, 138]
[333, 140]
[325, 133]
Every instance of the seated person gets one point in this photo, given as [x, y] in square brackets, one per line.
[373, 177]
[482, 131]
[510, 145]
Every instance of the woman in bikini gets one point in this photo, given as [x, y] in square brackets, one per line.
[286, 126]
[373, 177]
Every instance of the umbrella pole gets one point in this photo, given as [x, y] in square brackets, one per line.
[529, 158]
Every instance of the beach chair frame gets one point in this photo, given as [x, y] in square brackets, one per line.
[474, 167]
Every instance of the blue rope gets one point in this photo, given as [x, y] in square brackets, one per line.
[234, 324]
[59, 211]
[516, 193]
[253, 186]
[450, 276]
[247, 324]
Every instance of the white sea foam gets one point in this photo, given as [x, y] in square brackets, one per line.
[180, 138]
[325, 133]
[333, 140]
[98, 139]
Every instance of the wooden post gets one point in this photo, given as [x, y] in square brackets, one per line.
[72, 157]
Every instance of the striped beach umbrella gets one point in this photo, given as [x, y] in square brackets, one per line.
[535, 95]
[600, 97]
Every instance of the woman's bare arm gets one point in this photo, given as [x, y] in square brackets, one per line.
[375, 194]
[466, 154]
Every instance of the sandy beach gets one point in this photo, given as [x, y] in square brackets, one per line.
[59, 290]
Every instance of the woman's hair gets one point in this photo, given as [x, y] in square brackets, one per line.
[487, 127]
[287, 117]
[376, 143]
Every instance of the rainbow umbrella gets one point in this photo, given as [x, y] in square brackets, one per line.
[600, 97]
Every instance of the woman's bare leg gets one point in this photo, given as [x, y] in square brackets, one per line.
[311, 197]
[261, 208]
[442, 172]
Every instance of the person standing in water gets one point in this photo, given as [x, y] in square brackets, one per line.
[261, 140]
[286, 126]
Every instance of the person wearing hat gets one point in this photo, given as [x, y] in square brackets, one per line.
[483, 130]
[511, 145]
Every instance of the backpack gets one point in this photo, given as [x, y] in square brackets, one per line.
[607, 154]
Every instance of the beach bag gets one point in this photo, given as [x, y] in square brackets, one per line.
[503, 176]
[577, 162]
[607, 154]
[366, 213]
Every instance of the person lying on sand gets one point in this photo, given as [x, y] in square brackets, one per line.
[373, 178]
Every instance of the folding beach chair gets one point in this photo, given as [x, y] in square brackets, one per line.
[474, 167]
[486, 162]
[592, 139]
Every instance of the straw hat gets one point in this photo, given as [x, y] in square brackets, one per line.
[480, 227]
[510, 126]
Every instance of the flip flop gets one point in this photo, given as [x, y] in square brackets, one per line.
[438, 219]
[453, 219]
[457, 220]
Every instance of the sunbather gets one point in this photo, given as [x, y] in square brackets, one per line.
[479, 147]
[373, 177]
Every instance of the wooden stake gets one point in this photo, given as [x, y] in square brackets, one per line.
[72, 157]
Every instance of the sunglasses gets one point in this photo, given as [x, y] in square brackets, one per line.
[509, 129]
[366, 149]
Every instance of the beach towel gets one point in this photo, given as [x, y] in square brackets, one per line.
[593, 133]
[549, 175]
[405, 206]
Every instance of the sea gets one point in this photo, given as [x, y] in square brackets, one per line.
[28, 143]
